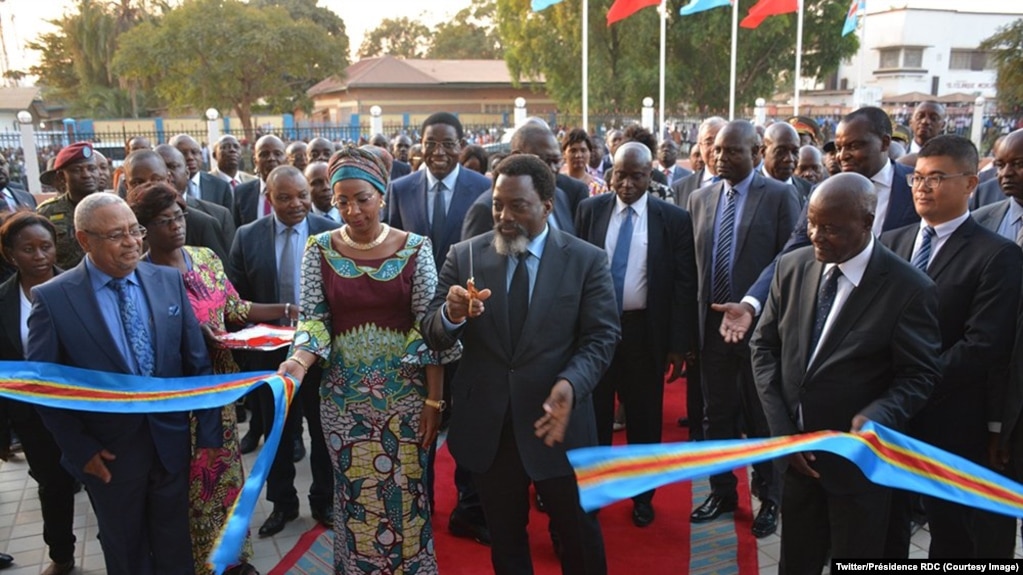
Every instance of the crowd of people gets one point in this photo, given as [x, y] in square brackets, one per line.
[531, 302]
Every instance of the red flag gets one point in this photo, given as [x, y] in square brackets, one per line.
[765, 8]
[622, 9]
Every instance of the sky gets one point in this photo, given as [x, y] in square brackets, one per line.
[22, 21]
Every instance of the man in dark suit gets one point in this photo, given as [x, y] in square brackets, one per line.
[146, 166]
[683, 188]
[11, 196]
[548, 332]
[667, 158]
[108, 314]
[781, 155]
[1004, 215]
[201, 185]
[987, 193]
[259, 252]
[534, 138]
[654, 272]
[739, 224]
[179, 179]
[977, 272]
[250, 201]
[848, 334]
[433, 202]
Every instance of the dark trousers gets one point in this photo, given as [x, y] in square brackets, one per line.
[694, 398]
[850, 525]
[637, 377]
[56, 486]
[504, 491]
[143, 519]
[280, 481]
[732, 407]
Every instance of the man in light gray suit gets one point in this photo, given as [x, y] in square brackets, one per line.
[531, 359]
[681, 189]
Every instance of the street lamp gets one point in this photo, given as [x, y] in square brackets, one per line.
[212, 132]
[376, 121]
[520, 111]
[760, 112]
[28, 147]
[977, 130]
[647, 117]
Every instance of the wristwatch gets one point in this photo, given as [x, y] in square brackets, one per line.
[439, 405]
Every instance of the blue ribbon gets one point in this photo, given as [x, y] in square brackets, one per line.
[67, 387]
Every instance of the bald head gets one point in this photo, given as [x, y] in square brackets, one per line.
[840, 216]
[736, 149]
[190, 149]
[928, 121]
[780, 150]
[138, 143]
[319, 185]
[635, 151]
[269, 153]
[811, 165]
[144, 167]
[175, 162]
[537, 139]
[630, 176]
[228, 153]
[319, 150]
[295, 154]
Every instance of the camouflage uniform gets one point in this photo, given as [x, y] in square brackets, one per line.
[61, 213]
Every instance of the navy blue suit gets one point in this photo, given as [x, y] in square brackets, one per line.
[143, 511]
[245, 206]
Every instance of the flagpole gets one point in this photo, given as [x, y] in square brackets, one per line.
[735, 38]
[858, 99]
[799, 57]
[660, 98]
[586, 65]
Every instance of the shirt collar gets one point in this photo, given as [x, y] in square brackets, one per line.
[537, 244]
[195, 178]
[743, 185]
[449, 180]
[1015, 211]
[945, 229]
[639, 205]
[854, 267]
[763, 170]
[100, 279]
[706, 177]
[884, 175]
[301, 227]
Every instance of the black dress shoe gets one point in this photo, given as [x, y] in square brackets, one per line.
[276, 522]
[6, 561]
[63, 568]
[324, 516]
[539, 504]
[683, 422]
[642, 513]
[299, 453]
[766, 522]
[714, 506]
[461, 526]
[249, 442]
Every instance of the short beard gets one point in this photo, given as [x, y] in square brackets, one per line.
[513, 247]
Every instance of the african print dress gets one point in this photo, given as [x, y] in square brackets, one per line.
[362, 317]
[216, 476]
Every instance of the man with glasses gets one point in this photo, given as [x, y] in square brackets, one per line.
[76, 175]
[977, 272]
[107, 314]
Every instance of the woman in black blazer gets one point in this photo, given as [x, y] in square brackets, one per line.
[28, 242]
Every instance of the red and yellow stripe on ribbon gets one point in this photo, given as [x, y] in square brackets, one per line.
[66, 387]
[886, 457]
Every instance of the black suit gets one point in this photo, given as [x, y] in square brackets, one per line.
[575, 190]
[880, 359]
[768, 214]
[648, 335]
[977, 272]
[573, 328]
[215, 190]
[245, 208]
[252, 269]
[22, 198]
[219, 213]
[56, 486]
[987, 193]
[202, 229]
[683, 188]
[399, 169]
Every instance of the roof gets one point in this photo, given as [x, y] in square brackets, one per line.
[908, 98]
[388, 71]
[20, 98]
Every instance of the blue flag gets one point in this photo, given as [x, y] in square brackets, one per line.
[700, 5]
[538, 5]
[857, 10]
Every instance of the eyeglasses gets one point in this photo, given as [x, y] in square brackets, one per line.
[136, 233]
[929, 182]
[449, 145]
[166, 222]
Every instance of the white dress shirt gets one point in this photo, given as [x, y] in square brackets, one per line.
[634, 294]
[883, 185]
[431, 191]
[852, 274]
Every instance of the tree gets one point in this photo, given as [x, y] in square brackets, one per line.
[1006, 50]
[472, 34]
[398, 37]
[225, 53]
[623, 65]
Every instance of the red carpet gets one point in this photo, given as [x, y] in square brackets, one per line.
[666, 547]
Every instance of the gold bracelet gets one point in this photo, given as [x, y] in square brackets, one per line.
[440, 405]
[299, 361]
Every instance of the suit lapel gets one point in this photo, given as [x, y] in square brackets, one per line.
[813, 270]
[899, 201]
[267, 254]
[902, 243]
[754, 195]
[490, 270]
[602, 219]
[158, 308]
[426, 208]
[460, 202]
[87, 310]
[710, 208]
[563, 211]
[654, 231]
[548, 276]
[952, 246]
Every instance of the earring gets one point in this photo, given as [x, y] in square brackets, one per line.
[383, 203]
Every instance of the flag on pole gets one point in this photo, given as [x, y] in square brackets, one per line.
[857, 10]
[701, 5]
[622, 9]
[538, 5]
[765, 8]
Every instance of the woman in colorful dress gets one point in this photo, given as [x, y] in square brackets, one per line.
[577, 148]
[216, 475]
[365, 288]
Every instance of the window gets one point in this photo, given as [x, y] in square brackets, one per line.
[889, 58]
[975, 60]
[912, 57]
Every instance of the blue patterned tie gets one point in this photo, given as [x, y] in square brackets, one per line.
[620, 259]
[922, 257]
[722, 292]
[135, 327]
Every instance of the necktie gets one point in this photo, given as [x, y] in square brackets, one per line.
[267, 208]
[439, 214]
[518, 299]
[286, 269]
[193, 189]
[620, 259]
[922, 257]
[825, 299]
[234, 184]
[715, 179]
[136, 329]
[667, 174]
[722, 291]
[1019, 233]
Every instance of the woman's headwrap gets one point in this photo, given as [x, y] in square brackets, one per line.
[368, 163]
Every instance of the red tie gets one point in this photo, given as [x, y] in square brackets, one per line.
[267, 208]
[234, 184]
